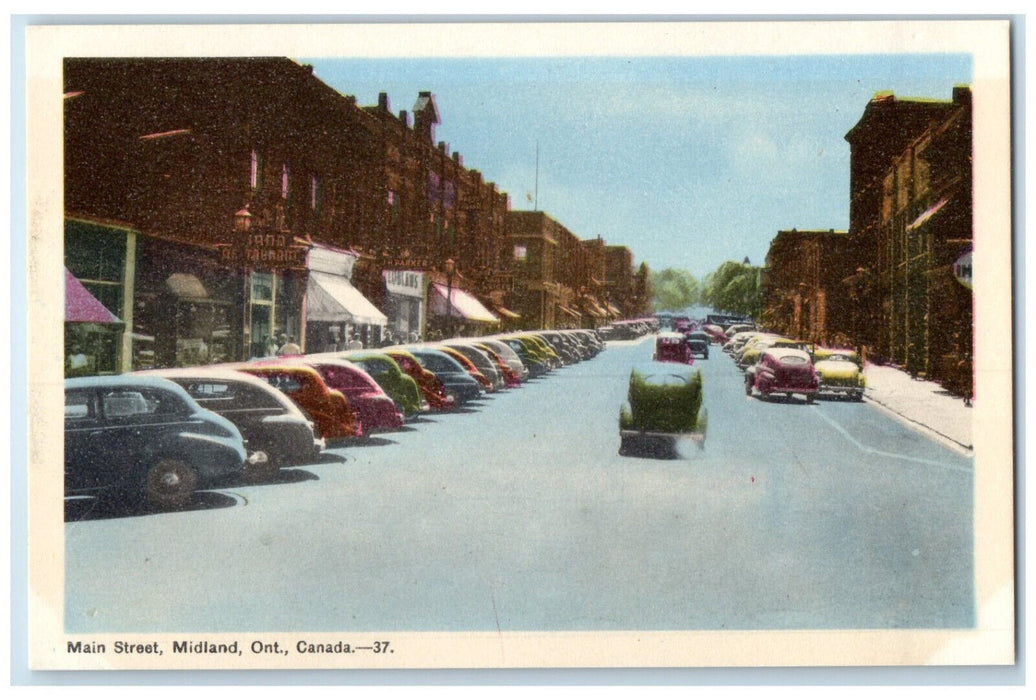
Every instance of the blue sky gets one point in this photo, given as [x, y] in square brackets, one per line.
[688, 161]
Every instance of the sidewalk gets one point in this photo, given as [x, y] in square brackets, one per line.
[921, 403]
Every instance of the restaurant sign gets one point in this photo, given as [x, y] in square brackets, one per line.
[266, 251]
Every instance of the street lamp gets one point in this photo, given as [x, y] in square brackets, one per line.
[242, 226]
[450, 265]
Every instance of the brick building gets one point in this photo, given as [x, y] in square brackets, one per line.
[802, 284]
[910, 220]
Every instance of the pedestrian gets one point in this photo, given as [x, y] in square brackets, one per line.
[387, 340]
[355, 343]
[290, 347]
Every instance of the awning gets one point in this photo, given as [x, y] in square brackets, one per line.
[333, 299]
[461, 305]
[927, 214]
[613, 311]
[570, 312]
[593, 309]
[186, 286]
[83, 307]
[506, 313]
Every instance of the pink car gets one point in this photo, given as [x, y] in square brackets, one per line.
[378, 412]
[782, 371]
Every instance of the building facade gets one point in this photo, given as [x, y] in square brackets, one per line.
[802, 284]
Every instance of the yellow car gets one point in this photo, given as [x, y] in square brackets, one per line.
[841, 372]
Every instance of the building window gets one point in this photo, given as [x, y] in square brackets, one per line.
[284, 181]
[521, 253]
[314, 187]
[255, 169]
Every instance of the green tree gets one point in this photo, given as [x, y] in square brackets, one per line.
[736, 288]
[674, 290]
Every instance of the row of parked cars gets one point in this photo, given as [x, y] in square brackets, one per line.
[775, 365]
[159, 435]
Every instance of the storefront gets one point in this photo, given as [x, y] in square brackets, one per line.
[99, 267]
[405, 303]
[337, 314]
[458, 313]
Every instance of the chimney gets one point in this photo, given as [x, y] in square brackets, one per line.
[457, 158]
[404, 118]
[383, 101]
[442, 147]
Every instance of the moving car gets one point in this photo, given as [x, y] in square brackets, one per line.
[664, 403]
[269, 421]
[782, 371]
[698, 342]
[672, 347]
[144, 437]
[840, 372]
[328, 408]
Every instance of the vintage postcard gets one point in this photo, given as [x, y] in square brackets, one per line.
[483, 345]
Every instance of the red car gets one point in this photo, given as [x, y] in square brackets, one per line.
[432, 389]
[673, 347]
[782, 371]
[377, 411]
[328, 408]
[468, 366]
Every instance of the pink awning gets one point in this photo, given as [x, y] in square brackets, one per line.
[81, 306]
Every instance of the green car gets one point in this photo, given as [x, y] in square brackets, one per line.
[400, 386]
[665, 403]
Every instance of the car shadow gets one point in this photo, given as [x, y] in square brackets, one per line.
[372, 441]
[649, 447]
[84, 508]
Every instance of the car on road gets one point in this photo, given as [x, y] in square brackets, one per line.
[785, 371]
[433, 391]
[144, 438]
[672, 347]
[328, 408]
[269, 421]
[376, 410]
[400, 386]
[482, 361]
[664, 402]
[459, 384]
[840, 373]
[486, 376]
[698, 342]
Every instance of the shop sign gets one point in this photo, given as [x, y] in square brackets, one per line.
[266, 251]
[404, 282]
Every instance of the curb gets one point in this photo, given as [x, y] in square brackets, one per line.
[913, 422]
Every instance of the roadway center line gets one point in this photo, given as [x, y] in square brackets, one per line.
[880, 453]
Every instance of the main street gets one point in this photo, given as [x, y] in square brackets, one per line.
[518, 514]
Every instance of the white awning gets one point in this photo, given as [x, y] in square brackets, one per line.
[462, 305]
[333, 299]
[927, 214]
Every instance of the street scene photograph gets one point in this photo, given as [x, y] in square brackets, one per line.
[366, 336]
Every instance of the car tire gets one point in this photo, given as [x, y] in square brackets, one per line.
[858, 396]
[170, 483]
[748, 386]
[623, 446]
[267, 471]
[811, 398]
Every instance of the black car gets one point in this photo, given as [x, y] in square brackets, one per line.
[144, 438]
[698, 342]
[270, 422]
[451, 373]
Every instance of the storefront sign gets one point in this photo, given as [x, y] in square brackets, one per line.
[404, 282]
[266, 251]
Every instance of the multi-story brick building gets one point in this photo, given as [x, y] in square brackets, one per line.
[802, 284]
[910, 220]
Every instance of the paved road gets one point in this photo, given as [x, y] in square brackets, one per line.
[519, 515]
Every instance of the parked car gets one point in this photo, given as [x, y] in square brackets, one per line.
[840, 373]
[376, 410]
[459, 384]
[400, 386]
[698, 342]
[144, 437]
[269, 421]
[671, 347]
[328, 408]
[479, 361]
[782, 371]
[529, 356]
[508, 355]
[664, 402]
[432, 389]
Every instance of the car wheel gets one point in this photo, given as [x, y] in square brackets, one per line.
[267, 471]
[748, 387]
[170, 483]
[623, 446]
[810, 398]
[858, 396]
